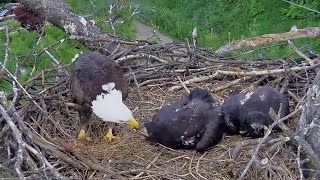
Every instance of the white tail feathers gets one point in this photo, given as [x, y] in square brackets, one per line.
[109, 107]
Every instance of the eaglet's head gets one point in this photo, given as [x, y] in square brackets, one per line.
[110, 108]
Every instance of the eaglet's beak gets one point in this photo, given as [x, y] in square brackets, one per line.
[133, 123]
[143, 130]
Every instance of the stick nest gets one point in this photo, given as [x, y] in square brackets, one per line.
[47, 125]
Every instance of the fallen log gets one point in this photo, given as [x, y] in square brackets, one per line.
[270, 38]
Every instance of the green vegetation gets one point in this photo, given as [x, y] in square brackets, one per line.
[22, 45]
[221, 21]
[24, 50]
[4, 174]
[98, 11]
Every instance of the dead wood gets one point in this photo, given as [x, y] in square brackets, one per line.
[309, 129]
[270, 38]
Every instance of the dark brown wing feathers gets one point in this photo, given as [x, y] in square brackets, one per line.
[92, 70]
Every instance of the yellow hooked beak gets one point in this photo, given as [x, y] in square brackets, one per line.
[133, 123]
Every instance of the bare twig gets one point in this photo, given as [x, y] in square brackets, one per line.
[264, 138]
[313, 10]
[266, 72]
[20, 86]
[88, 162]
[6, 56]
[149, 165]
[193, 80]
[299, 162]
[140, 56]
[183, 85]
[300, 53]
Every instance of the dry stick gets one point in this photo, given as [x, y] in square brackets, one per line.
[193, 80]
[18, 137]
[20, 86]
[153, 80]
[227, 85]
[149, 165]
[39, 155]
[43, 51]
[6, 56]
[86, 161]
[188, 49]
[234, 152]
[50, 46]
[299, 162]
[135, 79]
[55, 61]
[183, 85]
[197, 167]
[264, 138]
[266, 72]
[190, 167]
[275, 116]
[140, 56]
[237, 73]
[28, 95]
[229, 61]
[14, 89]
[53, 150]
[293, 96]
[37, 152]
[12, 16]
[293, 47]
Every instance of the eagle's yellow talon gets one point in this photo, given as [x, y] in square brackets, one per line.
[82, 136]
[109, 136]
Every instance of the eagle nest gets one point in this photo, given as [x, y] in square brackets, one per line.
[38, 134]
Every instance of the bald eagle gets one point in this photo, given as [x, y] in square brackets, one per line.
[248, 113]
[190, 122]
[98, 85]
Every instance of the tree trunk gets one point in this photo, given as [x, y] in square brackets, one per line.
[57, 13]
[309, 125]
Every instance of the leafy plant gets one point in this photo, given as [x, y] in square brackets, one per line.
[296, 12]
[256, 8]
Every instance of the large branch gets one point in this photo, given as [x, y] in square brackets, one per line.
[57, 13]
[309, 124]
[270, 38]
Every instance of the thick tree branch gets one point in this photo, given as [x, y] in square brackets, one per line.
[270, 38]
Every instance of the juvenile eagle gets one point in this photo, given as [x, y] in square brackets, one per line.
[191, 121]
[98, 85]
[248, 113]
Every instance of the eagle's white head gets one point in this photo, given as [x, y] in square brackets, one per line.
[109, 107]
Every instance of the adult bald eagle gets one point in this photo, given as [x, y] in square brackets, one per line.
[192, 121]
[98, 85]
[248, 113]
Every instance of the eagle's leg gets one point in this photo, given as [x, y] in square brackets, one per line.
[85, 114]
[109, 136]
